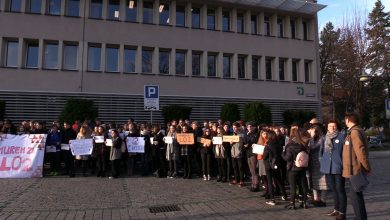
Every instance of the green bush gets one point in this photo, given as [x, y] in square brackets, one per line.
[297, 116]
[2, 110]
[78, 109]
[175, 112]
[230, 112]
[258, 113]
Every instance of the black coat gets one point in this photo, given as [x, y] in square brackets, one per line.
[291, 152]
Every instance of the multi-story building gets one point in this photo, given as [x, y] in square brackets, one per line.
[201, 54]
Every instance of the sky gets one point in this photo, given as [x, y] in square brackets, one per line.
[338, 11]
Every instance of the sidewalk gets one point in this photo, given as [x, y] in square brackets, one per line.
[132, 198]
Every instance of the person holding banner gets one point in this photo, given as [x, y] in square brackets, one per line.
[84, 133]
[186, 154]
[100, 151]
[205, 153]
[220, 154]
[53, 148]
[263, 139]
[133, 132]
[237, 156]
[68, 134]
[115, 154]
[250, 139]
[172, 151]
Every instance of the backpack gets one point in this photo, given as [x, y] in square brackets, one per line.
[302, 159]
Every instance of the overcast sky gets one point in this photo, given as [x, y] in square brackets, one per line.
[338, 11]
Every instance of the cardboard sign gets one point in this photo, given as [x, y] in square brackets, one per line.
[205, 141]
[231, 138]
[99, 139]
[185, 138]
[168, 140]
[81, 146]
[258, 149]
[217, 140]
[135, 144]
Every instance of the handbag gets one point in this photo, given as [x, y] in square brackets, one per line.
[359, 182]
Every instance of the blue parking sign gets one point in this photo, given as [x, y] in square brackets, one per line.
[151, 97]
[151, 92]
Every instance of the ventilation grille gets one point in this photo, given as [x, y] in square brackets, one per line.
[165, 208]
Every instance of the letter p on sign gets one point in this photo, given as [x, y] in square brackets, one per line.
[151, 92]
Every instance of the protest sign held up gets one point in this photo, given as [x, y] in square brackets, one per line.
[81, 147]
[135, 144]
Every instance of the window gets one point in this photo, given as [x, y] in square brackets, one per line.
[240, 23]
[54, 7]
[164, 14]
[129, 60]
[147, 60]
[267, 26]
[195, 14]
[113, 10]
[211, 65]
[32, 51]
[180, 15]
[210, 19]
[227, 67]
[196, 61]
[131, 11]
[73, 8]
[293, 29]
[307, 71]
[112, 59]
[305, 31]
[51, 56]
[180, 62]
[226, 21]
[70, 56]
[241, 67]
[268, 68]
[11, 54]
[295, 65]
[255, 67]
[15, 5]
[280, 28]
[147, 12]
[34, 6]
[282, 64]
[254, 24]
[96, 9]
[163, 64]
[94, 57]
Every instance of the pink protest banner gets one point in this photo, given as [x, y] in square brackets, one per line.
[21, 156]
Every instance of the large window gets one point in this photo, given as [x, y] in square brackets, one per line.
[112, 59]
[94, 57]
[280, 28]
[255, 67]
[305, 30]
[267, 26]
[70, 56]
[212, 65]
[15, 5]
[253, 24]
[293, 29]
[240, 23]
[54, 7]
[113, 10]
[73, 8]
[180, 15]
[11, 54]
[34, 6]
[227, 66]
[226, 21]
[147, 60]
[196, 63]
[51, 56]
[163, 64]
[131, 11]
[210, 19]
[307, 71]
[195, 14]
[129, 60]
[282, 67]
[164, 13]
[95, 10]
[180, 62]
[295, 68]
[268, 68]
[241, 67]
[32, 53]
[147, 12]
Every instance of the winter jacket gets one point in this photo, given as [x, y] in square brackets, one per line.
[331, 162]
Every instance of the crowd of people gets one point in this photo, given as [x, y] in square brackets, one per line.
[310, 160]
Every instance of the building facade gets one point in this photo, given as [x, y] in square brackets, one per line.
[201, 54]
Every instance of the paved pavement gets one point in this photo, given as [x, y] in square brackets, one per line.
[131, 198]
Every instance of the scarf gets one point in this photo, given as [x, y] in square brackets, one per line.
[328, 141]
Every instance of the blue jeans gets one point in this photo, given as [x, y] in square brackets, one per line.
[337, 185]
[358, 205]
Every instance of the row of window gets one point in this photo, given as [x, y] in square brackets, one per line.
[165, 11]
[69, 52]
